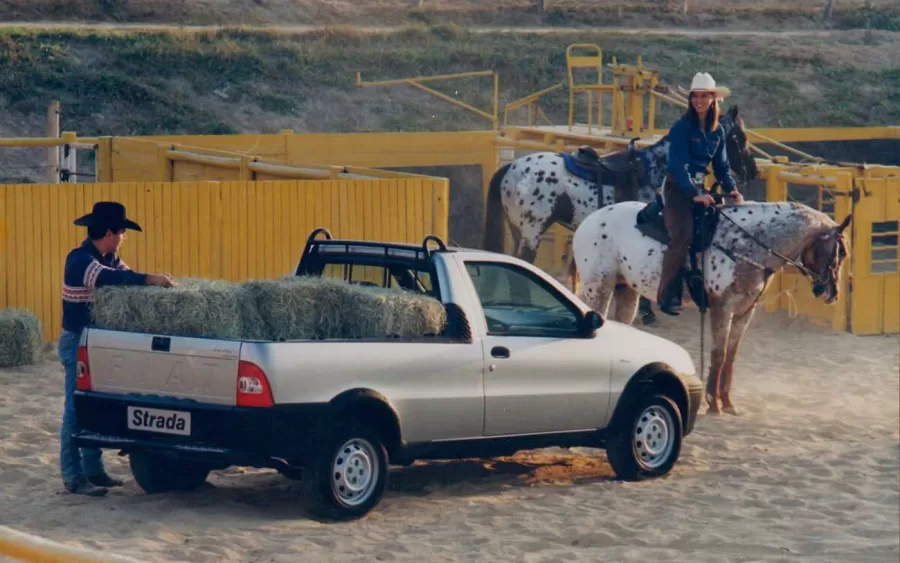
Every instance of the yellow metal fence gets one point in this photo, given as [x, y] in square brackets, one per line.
[233, 230]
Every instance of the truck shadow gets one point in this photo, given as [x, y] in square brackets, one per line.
[267, 495]
[476, 476]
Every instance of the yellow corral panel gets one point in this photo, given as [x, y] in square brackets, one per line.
[144, 158]
[876, 258]
[233, 230]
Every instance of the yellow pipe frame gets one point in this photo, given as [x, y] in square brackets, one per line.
[531, 101]
[415, 82]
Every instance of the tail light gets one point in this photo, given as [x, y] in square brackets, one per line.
[253, 388]
[82, 371]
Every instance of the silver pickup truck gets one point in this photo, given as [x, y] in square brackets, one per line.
[522, 364]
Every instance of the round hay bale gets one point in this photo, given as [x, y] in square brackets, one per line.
[21, 337]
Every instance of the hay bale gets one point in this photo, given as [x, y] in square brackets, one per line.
[202, 308]
[324, 309]
[21, 337]
[291, 308]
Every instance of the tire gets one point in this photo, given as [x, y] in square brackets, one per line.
[158, 474]
[630, 456]
[348, 475]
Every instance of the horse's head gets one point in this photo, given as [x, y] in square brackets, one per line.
[823, 258]
[738, 148]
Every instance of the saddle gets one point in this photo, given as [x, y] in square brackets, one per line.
[650, 223]
[590, 166]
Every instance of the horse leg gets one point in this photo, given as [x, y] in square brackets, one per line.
[720, 323]
[648, 317]
[626, 304]
[738, 325]
[598, 294]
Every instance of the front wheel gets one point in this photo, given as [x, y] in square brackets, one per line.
[348, 475]
[646, 440]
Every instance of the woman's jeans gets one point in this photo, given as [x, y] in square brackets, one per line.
[72, 462]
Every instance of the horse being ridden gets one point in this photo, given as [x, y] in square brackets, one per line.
[537, 190]
[616, 257]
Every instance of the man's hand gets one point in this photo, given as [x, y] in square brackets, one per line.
[735, 197]
[705, 199]
[161, 280]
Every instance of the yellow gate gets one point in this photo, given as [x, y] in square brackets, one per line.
[830, 190]
[875, 307]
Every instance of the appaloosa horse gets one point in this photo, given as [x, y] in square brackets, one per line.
[616, 255]
[540, 189]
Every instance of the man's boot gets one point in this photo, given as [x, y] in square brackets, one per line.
[104, 480]
[82, 486]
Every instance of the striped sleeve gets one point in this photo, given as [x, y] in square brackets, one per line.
[98, 275]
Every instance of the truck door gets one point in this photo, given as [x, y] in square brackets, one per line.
[541, 375]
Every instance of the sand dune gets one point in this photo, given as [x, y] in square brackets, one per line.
[808, 472]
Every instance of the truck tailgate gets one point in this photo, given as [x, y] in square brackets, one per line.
[201, 369]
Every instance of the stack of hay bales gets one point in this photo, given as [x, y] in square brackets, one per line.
[291, 308]
[21, 338]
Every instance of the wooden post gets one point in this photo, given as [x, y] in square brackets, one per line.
[53, 152]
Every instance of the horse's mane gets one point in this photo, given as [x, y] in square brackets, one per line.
[792, 207]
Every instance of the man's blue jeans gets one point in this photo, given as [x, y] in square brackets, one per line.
[72, 462]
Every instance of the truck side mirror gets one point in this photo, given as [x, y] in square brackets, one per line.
[591, 321]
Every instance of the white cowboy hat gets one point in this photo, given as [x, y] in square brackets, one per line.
[704, 82]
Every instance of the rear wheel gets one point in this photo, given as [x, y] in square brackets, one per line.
[646, 440]
[348, 476]
[157, 474]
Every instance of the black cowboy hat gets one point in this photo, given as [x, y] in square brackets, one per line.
[109, 214]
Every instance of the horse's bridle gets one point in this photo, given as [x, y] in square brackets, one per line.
[817, 279]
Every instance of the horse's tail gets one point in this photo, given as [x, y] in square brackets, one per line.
[493, 227]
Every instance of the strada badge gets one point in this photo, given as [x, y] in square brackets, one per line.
[158, 420]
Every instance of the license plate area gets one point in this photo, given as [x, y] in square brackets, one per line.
[160, 421]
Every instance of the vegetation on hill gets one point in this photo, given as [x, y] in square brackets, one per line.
[748, 14]
[228, 81]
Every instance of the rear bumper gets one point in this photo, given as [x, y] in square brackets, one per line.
[222, 435]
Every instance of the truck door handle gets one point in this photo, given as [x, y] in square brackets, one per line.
[500, 352]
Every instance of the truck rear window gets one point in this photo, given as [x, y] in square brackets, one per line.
[391, 277]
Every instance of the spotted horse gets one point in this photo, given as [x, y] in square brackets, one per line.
[617, 251]
[540, 189]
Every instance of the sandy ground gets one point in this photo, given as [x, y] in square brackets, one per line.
[809, 472]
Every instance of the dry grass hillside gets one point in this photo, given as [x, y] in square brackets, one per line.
[749, 14]
[124, 82]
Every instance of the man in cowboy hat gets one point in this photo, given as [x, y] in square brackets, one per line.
[93, 264]
[696, 141]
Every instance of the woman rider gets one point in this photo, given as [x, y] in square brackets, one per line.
[696, 140]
